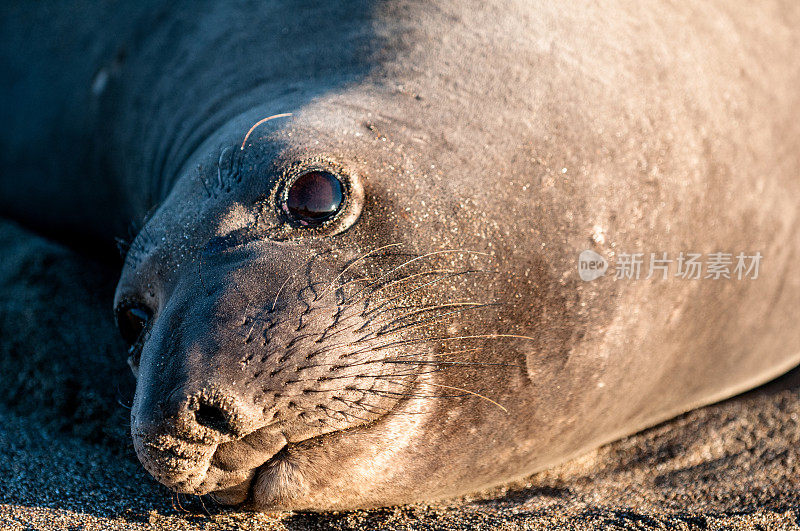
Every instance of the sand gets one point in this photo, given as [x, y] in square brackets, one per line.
[67, 461]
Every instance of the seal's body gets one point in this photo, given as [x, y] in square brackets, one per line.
[359, 285]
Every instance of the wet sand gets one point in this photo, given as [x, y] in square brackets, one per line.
[67, 461]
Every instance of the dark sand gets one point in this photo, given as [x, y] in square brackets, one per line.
[67, 461]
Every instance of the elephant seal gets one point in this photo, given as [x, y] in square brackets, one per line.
[357, 281]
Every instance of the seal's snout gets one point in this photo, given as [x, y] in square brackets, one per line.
[207, 416]
[178, 439]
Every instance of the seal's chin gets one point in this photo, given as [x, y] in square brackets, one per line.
[226, 471]
[192, 468]
[235, 495]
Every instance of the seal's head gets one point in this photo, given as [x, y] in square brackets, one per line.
[288, 333]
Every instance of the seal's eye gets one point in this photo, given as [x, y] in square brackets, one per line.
[314, 197]
[132, 320]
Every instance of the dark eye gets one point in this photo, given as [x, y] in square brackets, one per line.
[314, 197]
[132, 321]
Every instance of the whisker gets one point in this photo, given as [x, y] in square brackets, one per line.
[428, 309]
[351, 264]
[369, 348]
[473, 393]
[414, 290]
[396, 359]
[203, 505]
[268, 118]
[359, 405]
[442, 354]
[356, 313]
[361, 325]
[382, 312]
[388, 283]
[177, 497]
[351, 387]
[345, 413]
[434, 253]
[278, 294]
[406, 394]
[452, 363]
[353, 281]
[416, 324]
[348, 376]
[445, 338]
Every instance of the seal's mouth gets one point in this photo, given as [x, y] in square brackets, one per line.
[190, 468]
[232, 471]
[225, 469]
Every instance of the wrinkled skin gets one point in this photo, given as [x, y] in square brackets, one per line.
[434, 338]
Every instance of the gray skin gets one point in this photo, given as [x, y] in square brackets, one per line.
[434, 339]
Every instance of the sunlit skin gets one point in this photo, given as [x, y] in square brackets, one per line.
[354, 278]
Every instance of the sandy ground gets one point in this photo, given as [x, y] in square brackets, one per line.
[67, 461]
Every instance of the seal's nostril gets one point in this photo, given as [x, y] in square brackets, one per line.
[213, 418]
